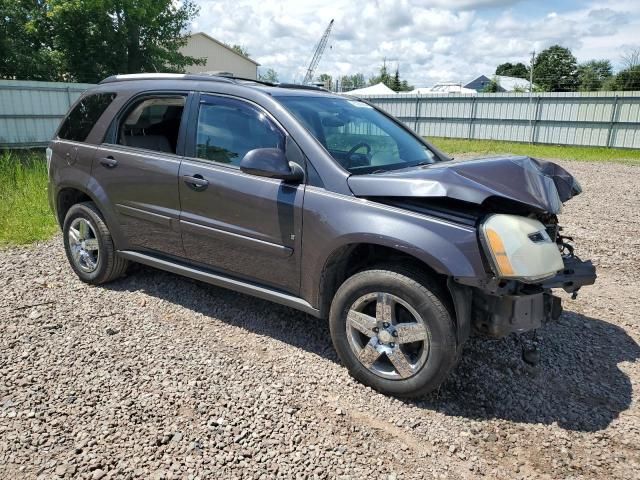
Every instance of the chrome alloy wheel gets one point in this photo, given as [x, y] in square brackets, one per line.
[387, 335]
[83, 245]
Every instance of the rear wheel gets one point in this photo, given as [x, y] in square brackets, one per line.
[89, 246]
[393, 331]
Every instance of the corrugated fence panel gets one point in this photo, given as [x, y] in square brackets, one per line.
[31, 111]
[608, 119]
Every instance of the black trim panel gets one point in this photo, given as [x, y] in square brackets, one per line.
[223, 281]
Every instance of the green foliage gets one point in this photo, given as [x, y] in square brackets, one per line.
[351, 82]
[25, 215]
[240, 49]
[269, 76]
[88, 40]
[556, 70]
[517, 70]
[392, 81]
[593, 74]
[459, 146]
[492, 87]
[326, 80]
[627, 79]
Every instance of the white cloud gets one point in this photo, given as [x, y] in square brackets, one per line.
[430, 40]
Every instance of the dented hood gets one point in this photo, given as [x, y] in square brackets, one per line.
[537, 183]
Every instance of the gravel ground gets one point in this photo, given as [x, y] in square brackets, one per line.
[163, 377]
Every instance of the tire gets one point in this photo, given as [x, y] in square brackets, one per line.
[94, 258]
[421, 365]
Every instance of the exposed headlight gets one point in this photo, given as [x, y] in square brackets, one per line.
[520, 248]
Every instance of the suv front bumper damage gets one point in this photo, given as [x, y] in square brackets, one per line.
[497, 312]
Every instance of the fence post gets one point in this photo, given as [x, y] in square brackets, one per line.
[536, 114]
[69, 97]
[415, 124]
[612, 121]
[472, 117]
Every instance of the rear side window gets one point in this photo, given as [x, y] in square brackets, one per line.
[153, 123]
[83, 117]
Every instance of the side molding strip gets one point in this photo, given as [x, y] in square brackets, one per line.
[222, 281]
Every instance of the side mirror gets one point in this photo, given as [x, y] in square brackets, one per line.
[271, 163]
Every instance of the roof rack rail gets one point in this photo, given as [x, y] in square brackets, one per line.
[300, 86]
[167, 76]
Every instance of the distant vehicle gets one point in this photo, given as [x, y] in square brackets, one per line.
[319, 202]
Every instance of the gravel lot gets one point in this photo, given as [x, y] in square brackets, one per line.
[159, 376]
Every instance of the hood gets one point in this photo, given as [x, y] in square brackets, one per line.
[543, 185]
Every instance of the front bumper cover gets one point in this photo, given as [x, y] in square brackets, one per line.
[499, 313]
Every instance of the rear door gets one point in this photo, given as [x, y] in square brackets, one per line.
[137, 169]
[236, 223]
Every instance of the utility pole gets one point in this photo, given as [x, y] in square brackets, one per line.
[533, 58]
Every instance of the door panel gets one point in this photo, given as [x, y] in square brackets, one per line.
[143, 187]
[241, 224]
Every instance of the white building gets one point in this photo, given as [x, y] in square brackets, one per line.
[219, 57]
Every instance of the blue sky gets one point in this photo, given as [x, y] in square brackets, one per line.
[430, 40]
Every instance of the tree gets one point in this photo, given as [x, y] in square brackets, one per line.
[593, 74]
[270, 76]
[26, 47]
[326, 80]
[492, 87]
[627, 79]
[351, 82]
[556, 70]
[383, 76]
[97, 38]
[630, 58]
[517, 70]
[396, 82]
[240, 49]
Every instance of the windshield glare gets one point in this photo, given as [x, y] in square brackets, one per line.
[359, 138]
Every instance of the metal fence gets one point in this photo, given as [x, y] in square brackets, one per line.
[606, 119]
[31, 111]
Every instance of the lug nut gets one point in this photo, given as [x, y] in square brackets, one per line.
[385, 325]
[376, 329]
[392, 345]
[394, 333]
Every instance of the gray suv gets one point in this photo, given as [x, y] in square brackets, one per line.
[320, 202]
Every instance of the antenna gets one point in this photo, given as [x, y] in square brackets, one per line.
[317, 54]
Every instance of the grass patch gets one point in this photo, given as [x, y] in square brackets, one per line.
[457, 146]
[25, 215]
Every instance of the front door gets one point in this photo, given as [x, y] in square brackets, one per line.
[240, 224]
[138, 171]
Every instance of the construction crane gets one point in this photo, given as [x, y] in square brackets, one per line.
[308, 78]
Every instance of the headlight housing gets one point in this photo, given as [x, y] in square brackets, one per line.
[520, 248]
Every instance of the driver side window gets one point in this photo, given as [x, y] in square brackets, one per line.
[228, 129]
[366, 143]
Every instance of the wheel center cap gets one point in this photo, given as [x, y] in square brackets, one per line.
[384, 336]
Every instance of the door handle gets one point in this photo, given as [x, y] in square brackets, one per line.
[197, 182]
[108, 162]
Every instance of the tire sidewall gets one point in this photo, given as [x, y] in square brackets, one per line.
[81, 211]
[442, 348]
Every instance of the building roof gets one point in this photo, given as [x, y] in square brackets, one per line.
[209, 37]
[377, 89]
[444, 88]
[507, 84]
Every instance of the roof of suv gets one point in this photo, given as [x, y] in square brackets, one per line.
[280, 88]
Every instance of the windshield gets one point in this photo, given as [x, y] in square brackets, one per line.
[359, 137]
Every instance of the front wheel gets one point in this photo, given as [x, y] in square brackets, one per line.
[393, 331]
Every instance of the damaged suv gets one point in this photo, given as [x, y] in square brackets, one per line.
[320, 202]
